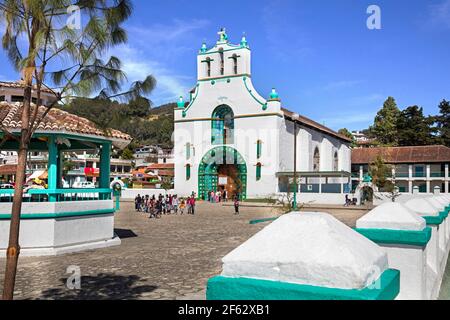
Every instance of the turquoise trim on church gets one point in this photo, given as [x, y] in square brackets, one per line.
[403, 237]
[436, 220]
[208, 170]
[192, 101]
[264, 104]
[387, 287]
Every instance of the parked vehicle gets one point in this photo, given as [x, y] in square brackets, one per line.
[84, 185]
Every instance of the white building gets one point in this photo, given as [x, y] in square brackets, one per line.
[230, 137]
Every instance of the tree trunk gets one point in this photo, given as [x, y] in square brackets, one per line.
[12, 255]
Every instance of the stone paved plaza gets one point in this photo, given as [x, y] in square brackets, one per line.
[168, 258]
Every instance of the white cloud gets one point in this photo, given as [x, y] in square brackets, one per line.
[440, 14]
[156, 49]
[341, 84]
[339, 121]
[355, 113]
[137, 67]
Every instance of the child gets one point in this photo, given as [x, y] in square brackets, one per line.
[175, 204]
[182, 206]
[236, 205]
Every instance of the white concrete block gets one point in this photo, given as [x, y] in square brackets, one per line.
[392, 216]
[311, 249]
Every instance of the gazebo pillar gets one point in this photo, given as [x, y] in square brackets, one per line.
[52, 167]
[105, 165]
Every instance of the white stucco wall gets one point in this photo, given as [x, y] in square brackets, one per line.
[252, 122]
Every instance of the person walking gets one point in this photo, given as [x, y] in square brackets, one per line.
[188, 204]
[193, 205]
[137, 202]
[175, 204]
[236, 205]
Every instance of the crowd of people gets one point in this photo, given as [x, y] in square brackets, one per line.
[156, 207]
[165, 205]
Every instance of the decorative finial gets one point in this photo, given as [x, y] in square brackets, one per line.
[180, 103]
[244, 42]
[223, 35]
[204, 48]
[274, 94]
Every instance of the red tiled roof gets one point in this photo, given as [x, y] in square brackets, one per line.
[425, 154]
[8, 169]
[156, 166]
[20, 85]
[56, 120]
[166, 173]
[312, 124]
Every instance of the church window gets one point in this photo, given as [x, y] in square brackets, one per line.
[188, 172]
[222, 125]
[208, 67]
[316, 160]
[2, 98]
[222, 62]
[235, 64]
[258, 149]
[336, 162]
[188, 151]
[258, 171]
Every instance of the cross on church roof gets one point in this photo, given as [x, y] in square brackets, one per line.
[223, 34]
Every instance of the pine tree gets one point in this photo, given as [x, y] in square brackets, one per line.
[384, 129]
[413, 128]
[443, 123]
[346, 133]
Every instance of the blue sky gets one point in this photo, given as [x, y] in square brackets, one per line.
[323, 60]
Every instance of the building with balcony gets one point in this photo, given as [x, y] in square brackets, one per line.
[422, 168]
[148, 155]
[13, 92]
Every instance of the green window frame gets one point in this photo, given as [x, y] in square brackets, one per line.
[258, 171]
[222, 126]
[188, 172]
[258, 149]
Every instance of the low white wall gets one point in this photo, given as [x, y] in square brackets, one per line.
[51, 236]
[322, 198]
[421, 268]
[130, 194]
[59, 207]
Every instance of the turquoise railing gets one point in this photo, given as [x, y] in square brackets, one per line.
[59, 195]
[437, 174]
[419, 174]
[402, 175]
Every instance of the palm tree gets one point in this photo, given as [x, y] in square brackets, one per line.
[53, 55]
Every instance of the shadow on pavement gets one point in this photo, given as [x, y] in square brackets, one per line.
[101, 287]
[125, 233]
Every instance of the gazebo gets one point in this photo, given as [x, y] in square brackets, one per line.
[58, 220]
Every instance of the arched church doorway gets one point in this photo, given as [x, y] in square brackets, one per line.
[223, 168]
[367, 195]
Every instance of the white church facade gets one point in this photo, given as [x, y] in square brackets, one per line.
[230, 137]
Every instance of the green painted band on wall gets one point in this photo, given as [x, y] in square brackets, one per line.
[387, 287]
[404, 237]
[37, 216]
[257, 221]
[436, 220]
